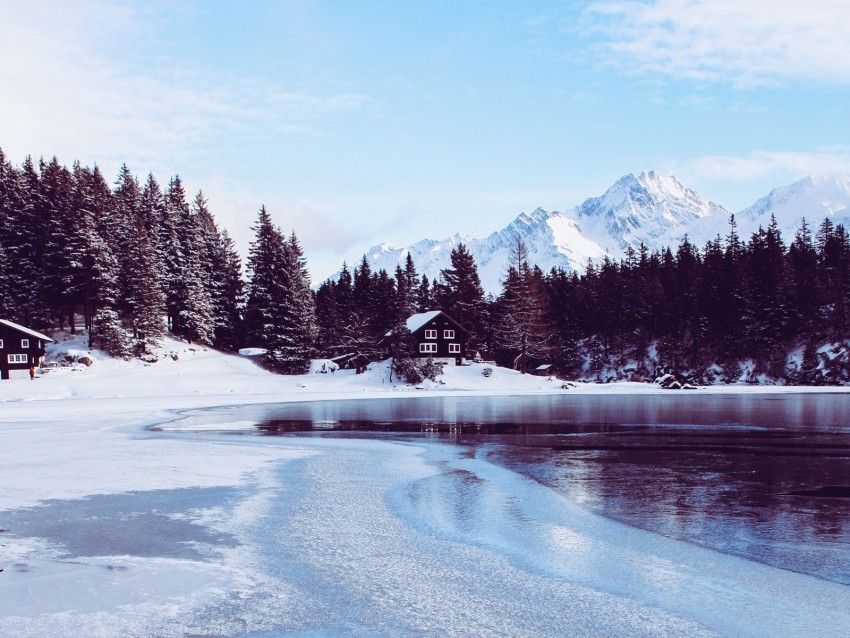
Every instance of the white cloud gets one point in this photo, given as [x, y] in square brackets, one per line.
[747, 43]
[90, 81]
[87, 80]
[323, 230]
[762, 164]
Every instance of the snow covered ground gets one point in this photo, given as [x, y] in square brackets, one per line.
[109, 529]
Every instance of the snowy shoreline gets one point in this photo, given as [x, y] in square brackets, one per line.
[114, 400]
[76, 446]
[194, 376]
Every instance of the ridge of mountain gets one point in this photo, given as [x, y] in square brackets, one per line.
[650, 208]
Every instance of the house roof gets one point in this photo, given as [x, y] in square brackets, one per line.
[20, 328]
[414, 322]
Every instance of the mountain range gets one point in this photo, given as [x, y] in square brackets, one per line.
[653, 209]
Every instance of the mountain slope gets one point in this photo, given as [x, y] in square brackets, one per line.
[650, 208]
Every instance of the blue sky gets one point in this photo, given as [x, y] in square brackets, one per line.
[362, 122]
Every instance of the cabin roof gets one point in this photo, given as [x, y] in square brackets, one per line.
[417, 321]
[21, 328]
[414, 322]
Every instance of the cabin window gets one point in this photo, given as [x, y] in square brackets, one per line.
[448, 334]
[430, 334]
[1, 343]
[25, 343]
[17, 358]
[428, 347]
[454, 348]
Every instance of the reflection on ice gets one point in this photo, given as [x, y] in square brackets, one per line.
[360, 537]
[569, 541]
[541, 533]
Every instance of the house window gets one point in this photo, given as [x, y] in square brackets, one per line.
[1, 343]
[428, 347]
[454, 348]
[17, 358]
[448, 334]
[430, 334]
[25, 343]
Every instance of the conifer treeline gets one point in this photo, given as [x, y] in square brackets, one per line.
[134, 261]
[700, 313]
[122, 258]
[705, 311]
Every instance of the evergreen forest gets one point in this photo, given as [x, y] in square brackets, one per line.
[132, 260]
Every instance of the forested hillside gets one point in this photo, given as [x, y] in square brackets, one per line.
[736, 310]
[133, 260]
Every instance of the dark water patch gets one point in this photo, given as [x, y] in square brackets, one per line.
[548, 414]
[742, 474]
[147, 524]
[827, 491]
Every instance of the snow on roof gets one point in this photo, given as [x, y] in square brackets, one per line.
[414, 322]
[31, 333]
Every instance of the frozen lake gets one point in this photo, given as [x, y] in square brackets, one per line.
[762, 477]
[661, 515]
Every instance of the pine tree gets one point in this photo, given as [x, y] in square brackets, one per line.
[298, 331]
[358, 338]
[805, 291]
[328, 323]
[5, 291]
[188, 302]
[362, 288]
[344, 295]
[140, 273]
[461, 295]
[712, 291]
[565, 306]
[13, 240]
[55, 220]
[105, 329]
[215, 270]
[834, 261]
[280, 311]
[382, 305]
[151, 213]
[424, 296]
[401, 345]
[128, 229]
[522, 330]
[734, 298]
[171, 248]
[230, 298]
[767, 311]
[26, 252]
[263, 286]
[410, 274]
[404, 303]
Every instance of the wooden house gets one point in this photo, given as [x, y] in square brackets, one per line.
[438, 336]
[20, 349]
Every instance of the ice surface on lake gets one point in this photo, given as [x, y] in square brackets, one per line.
[360, 537]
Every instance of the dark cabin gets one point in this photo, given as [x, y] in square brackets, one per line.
[438, 336]
[20, 349]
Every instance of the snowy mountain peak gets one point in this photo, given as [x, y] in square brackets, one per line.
[640, 209]
[650, 208]
[531, 220]
[666, 187]
[811, 197]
